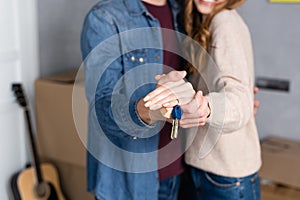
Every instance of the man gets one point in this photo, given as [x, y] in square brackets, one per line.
[115, 92]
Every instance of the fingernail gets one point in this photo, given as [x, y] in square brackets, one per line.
[146, 98]
[147, 104]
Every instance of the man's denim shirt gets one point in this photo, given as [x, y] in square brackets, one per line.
[122, 56]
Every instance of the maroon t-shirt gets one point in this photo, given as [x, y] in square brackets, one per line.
[170, 60]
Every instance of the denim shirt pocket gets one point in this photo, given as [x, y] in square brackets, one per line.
[134, 58]
[138, 66]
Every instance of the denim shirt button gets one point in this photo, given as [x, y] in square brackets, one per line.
[141, 60]
[132, 58]
[158, 57]
[134, 137]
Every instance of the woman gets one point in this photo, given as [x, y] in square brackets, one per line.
[229, 169]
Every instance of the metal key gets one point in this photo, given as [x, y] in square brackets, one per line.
[176, 115]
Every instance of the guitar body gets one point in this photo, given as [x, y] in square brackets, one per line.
[25, 184]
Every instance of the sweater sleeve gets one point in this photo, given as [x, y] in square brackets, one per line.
[230, 95]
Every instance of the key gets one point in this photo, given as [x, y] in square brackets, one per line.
[176, 115]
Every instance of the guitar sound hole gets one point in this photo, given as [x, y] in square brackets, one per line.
[42, 190]
[46, 191]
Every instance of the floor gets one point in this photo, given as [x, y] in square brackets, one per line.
[279, 192]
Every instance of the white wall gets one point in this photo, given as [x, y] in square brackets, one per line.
[18, 63]
[60, 23]
[275, 32]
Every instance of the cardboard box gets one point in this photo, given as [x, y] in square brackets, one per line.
[72, 179]
[281, 161]
[274, 191]
[57, 138]
[56, 132]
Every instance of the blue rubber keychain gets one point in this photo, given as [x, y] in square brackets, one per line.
[176, 116]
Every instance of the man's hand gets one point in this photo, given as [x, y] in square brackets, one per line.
[148, 116]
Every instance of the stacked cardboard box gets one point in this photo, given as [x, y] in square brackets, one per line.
[281, 161]
[280, 169]
[57, 136]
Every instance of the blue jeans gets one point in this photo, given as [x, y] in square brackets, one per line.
[214, 187]
[169, 188]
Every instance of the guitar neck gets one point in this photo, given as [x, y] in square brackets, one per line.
[34, 155]
[21, 99]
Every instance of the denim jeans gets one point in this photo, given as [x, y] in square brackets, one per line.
[169, 188]
[214, 187]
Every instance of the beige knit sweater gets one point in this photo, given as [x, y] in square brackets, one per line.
[228, 144]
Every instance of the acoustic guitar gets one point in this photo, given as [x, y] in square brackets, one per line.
[40, 181]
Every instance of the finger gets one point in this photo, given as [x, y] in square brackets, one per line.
[166, 112]
[255, 112]
[168, 89]
[194, 104]
[163, 93]
[181, 98]
[203, 110]
[158, 77]
[174, 79]
[180, 101]
[256, 103]
[172, 100]
[163, 88]
[190, 107]
[158, 94]
[172, 76]
[183, 91]
[256, 106]
[192, 123]
[185, 121]
[195, 115]
[171, 103]
[255, 90]
[160, 100]
[155, 93]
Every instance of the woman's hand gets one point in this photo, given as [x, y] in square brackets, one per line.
[196, 112]
[256, 102]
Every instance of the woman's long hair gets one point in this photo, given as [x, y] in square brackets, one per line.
[197, 26]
